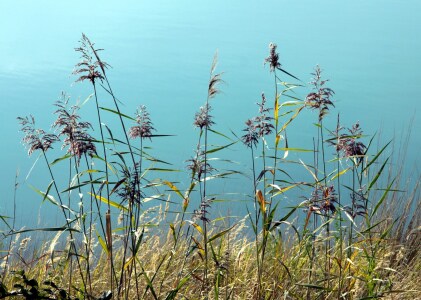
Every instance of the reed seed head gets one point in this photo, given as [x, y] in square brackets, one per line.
[87, 68]
[144, 126]
[263, 125]
[203, 119]
[348, 143]
[35, 139]
[273, 58]
[323, 199]
[69, 125]
[251, 138]
[128, 186]
[215, 79]
[320, 98]
[197, 165]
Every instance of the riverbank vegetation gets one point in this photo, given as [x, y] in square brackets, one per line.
[128, 230]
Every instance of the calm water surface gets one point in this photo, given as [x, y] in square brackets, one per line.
[161, 53]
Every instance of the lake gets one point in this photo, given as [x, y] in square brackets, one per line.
[161, 53]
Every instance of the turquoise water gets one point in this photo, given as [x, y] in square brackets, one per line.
[161, 52]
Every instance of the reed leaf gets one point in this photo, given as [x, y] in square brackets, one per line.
[219, 234]
[174, 188]
[57, 160]
[383, 197]
[118, 113]
[107, 201]
[219, 148]
[291, 119]
[377, 175]
[376, 156]
[102, 243]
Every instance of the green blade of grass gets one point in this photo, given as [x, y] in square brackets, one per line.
[57, 160]
[163, 170]
[376, 156]
[382, 199]
[285, 218]
[62, 228]
[291, 119]
[221, 134]
[219, 234]
[219, 148]
[117, 113]
[377, 175]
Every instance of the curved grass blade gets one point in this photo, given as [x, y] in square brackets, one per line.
[57, 160]
[340, 173]
[107, 201]
[173, 293]
[81, 185]
[378, 174]
[197, 226]
[46, 196]
[382, 199]
[220, 175]
[219, 234]
[291, 119]
[286, 217]
[282, 70]
[221, 134]
[117, 113]
[174, 188]
[284, 189]
[376, 156]
[219, 148]
[163, 170]
[102, 243]
[62, 228]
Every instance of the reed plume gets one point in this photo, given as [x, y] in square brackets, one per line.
[251, 138]
[77, 139]
[202, 118]
[35, 138]
[87, 68]
[144, 126]
[320, 98]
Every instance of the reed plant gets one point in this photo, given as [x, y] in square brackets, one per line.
[356, 234]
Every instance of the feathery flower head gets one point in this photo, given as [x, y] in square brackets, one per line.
[87, 68]
[348, 144]
[251, 138]
[273, 58]
[263, 125]
[144, 128]
[198, 166]
[323, 198]
[215, 79]
[35, 139]
[128, 188]
[202, 118]
[329, 198]
[75, 131]
[320, 98]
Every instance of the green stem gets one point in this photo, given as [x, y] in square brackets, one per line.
[72, 244]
